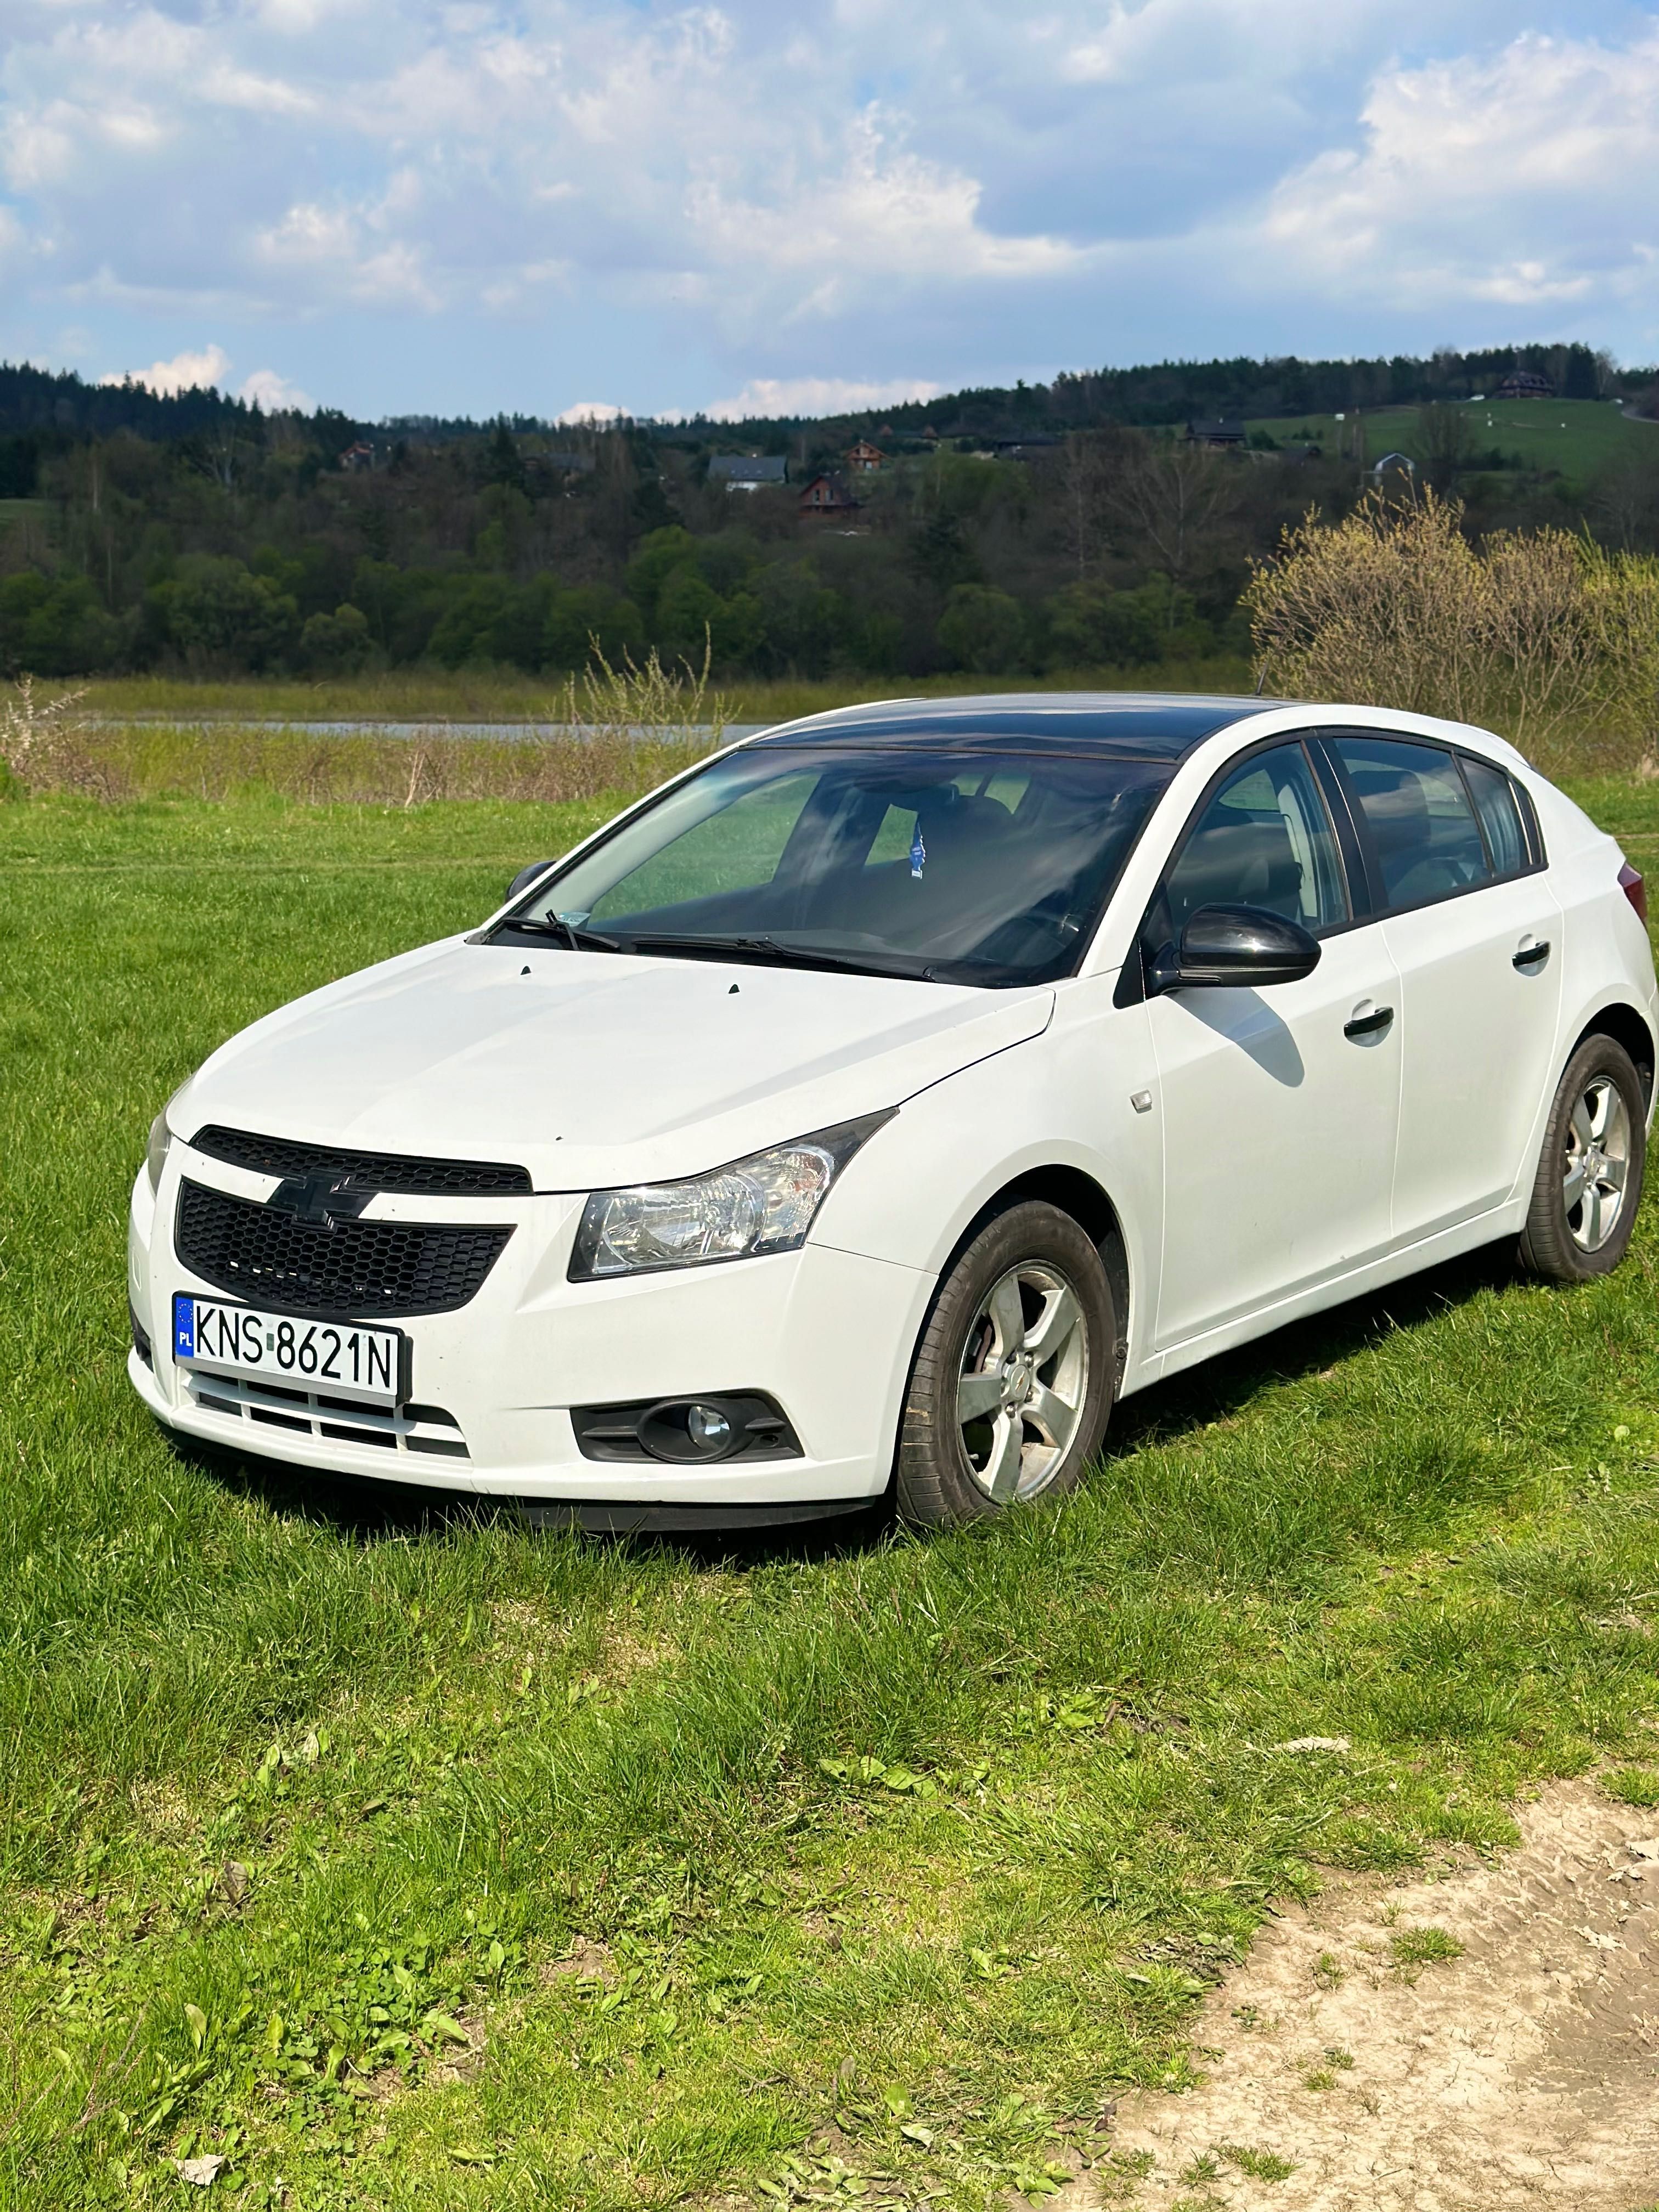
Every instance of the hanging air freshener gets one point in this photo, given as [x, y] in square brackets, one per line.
[918, 854]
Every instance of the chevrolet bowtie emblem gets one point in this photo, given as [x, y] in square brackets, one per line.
[322, 1199]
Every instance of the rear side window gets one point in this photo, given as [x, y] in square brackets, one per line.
[1422, 829]
[1496, 803]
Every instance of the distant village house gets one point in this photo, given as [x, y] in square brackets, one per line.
[748, 472]
[1224, 435]
[829, 492]
[1525, 383]
[864, 458]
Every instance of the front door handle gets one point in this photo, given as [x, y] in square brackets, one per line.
[1365, 1025]
[1532, 956]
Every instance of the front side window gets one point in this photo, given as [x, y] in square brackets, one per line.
[1422, 829]
[1264, 839]
[963, 865]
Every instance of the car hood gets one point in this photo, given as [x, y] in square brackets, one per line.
[593, 1069]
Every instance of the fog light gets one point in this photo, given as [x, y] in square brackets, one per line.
[708, 1428]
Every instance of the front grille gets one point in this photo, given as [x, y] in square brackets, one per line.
[395, 1171]
[352, 1268]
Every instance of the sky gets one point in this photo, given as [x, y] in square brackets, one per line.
[401, 207]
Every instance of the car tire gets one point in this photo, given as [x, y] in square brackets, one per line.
[1589, 1172]
[1012, 1381]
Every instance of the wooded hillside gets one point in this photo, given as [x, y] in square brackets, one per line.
[1055, 525]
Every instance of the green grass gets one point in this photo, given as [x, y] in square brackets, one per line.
[406, 1857]
[1414, 1948]
[1575, 437]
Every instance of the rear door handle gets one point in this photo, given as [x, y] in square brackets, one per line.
[1532, 956]
[1365, 1025]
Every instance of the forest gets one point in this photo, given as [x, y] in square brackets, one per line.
[1034, 529]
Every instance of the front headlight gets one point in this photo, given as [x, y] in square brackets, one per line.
[764, 1204]
[159, 1138]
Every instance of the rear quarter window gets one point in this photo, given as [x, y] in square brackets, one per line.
[1498, 803]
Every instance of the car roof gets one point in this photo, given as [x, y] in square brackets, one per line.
[1163, 726]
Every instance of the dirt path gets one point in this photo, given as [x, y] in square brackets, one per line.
[1521, 2071]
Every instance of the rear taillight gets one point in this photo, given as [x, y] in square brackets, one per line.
[1634, 889]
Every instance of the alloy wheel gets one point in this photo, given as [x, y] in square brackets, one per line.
[1597, 1163]
[1024, 1381]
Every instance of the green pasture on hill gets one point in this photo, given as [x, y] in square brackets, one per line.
[1574, 437]
[401, 1856]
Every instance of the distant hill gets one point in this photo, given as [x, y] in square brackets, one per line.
[1175, 390]
[49, 410]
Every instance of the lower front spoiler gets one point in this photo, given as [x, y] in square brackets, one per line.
[598, 1517]
[591, 1516]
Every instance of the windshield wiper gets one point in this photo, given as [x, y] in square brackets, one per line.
[568, 932]
[766, 949]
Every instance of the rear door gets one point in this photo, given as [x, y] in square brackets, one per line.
[1451, 850]
[1279, 1105]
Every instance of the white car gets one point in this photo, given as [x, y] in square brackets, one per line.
[881, 1100]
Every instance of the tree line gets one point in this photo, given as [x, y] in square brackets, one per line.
[195, 533]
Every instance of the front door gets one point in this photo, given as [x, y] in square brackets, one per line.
[1475, 932]
[1280, 1106]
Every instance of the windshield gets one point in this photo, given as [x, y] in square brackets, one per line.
[964, 867]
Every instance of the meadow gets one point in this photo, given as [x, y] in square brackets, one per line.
[1575, 438]
[437, 695]
[393, 1853]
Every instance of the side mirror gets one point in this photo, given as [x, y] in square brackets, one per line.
[526, 876]
[1237, 947]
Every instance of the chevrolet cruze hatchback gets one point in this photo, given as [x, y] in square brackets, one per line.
[883, 1099]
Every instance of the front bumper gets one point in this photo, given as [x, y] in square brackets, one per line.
[826, 1335]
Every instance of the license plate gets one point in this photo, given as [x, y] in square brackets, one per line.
[341, 1357]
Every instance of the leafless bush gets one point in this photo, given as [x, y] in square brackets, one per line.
[633, 700]
[1539, 634]
[44, 743]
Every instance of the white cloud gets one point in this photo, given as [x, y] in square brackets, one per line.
[307, 232]
[266, 388]
[591, 410]
[1525, 180]
[185, 372]
[816, 395]
[878, 212]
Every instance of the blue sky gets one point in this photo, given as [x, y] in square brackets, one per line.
[396, 206]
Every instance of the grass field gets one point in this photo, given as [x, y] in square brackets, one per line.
[1575, 437]
[401, 1858]
[469, 695]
